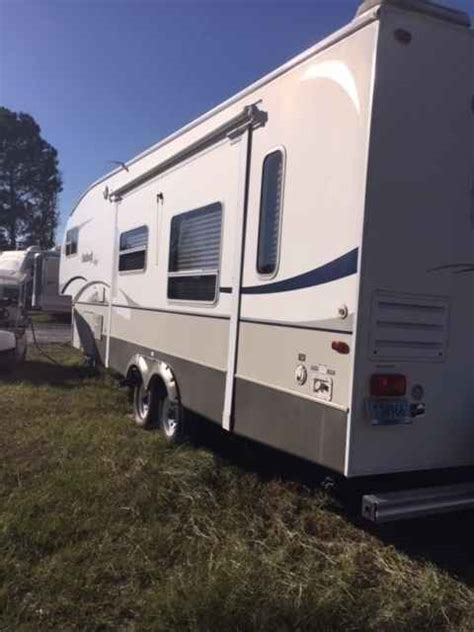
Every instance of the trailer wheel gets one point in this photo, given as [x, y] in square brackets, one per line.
[146, 405]
[153, 408]
[172, 421]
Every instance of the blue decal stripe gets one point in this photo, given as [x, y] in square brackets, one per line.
[334, 270]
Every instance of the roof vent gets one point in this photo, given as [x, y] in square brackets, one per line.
[421, 6]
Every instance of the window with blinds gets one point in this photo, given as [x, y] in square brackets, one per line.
[132, 249]
[72, 238]
[195, 245]
[270, 213]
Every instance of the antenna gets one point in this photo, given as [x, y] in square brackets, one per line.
[120, 163]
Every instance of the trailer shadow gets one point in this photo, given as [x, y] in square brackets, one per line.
[46, 373]
[443, 540]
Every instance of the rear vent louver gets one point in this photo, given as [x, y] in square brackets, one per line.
[408, 327]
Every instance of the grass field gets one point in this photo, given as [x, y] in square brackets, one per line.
[43, 318]
[105, 527]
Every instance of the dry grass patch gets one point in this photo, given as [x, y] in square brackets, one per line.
[103, 526]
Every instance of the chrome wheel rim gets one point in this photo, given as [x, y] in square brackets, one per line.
[170, 418]
[143, 402]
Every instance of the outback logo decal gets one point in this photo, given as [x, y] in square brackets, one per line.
[88, 257]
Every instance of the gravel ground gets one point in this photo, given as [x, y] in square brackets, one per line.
[51, 332]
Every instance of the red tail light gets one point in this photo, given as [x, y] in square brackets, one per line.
[388, 385]
[340, 347]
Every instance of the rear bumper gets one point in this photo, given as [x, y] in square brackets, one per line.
[416, 503]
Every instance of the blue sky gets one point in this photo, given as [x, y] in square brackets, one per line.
[107, 78]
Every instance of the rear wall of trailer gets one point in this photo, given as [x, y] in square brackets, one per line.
[417, 281]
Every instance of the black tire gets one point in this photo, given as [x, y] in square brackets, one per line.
[153, 409]
[172, 420]
[146, 405]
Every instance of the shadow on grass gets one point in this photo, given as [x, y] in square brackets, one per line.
[444, 540]
[46, 373]
[42, 318]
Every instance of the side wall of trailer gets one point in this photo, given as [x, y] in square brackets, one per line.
[318, 118]
[417, 277]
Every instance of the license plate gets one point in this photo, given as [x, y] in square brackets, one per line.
[388, 411]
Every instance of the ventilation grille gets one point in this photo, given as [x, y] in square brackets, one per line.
[408, 327]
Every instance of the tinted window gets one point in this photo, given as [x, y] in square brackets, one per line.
[72, 236]
[132, 261]
[270, 213]
[136, 238]
[132, 249]
[192, 288]
[195, 242]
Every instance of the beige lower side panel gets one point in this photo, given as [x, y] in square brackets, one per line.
[299, 426]
[201, 339]
[269, 414]
[270, 354]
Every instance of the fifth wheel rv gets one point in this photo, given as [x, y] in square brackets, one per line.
[297, 265]
[29, 280]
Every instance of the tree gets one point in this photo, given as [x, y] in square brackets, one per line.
[30, 183]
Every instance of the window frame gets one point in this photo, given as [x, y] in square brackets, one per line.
[197, 272]
[132, 250]
[69, 241]
[270, 275]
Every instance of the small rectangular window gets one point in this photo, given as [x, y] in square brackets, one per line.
[195, 244]
[72, 237]
[132, 249]
[270, 213]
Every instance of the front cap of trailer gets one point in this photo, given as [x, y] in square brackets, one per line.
[420, 6]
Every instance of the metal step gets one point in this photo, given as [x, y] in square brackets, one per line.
[415, 503]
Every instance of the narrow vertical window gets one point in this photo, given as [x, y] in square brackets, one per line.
[72, 236]
[270, 213]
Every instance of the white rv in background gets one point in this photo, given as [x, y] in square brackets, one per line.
[13, 312]
[297, 265]
[45, 295]
[38, 272]
[29, 280]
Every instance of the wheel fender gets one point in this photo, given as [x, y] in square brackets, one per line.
[152, 367]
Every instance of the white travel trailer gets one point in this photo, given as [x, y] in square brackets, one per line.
[38, 272]
[45, 295]
[29, 279]
[297, 265]
[13, 312]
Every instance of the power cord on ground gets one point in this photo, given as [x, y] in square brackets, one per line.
[37, 345]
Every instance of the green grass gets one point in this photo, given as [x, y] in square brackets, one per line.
[105, 527]
[44, 318]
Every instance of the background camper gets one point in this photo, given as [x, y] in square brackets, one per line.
[38, 271]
